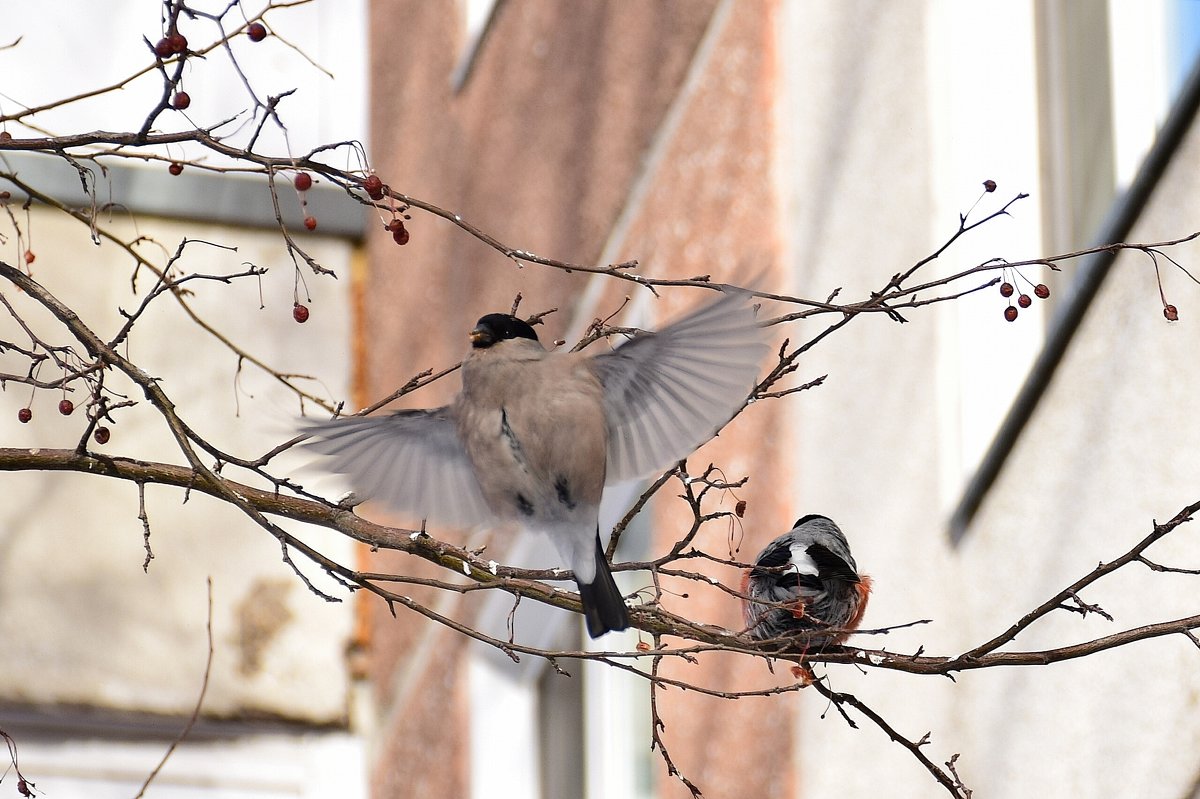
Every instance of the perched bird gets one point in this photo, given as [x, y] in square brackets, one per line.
[533, 436]
[805, 582]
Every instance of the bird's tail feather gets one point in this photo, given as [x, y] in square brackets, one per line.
[603, 605]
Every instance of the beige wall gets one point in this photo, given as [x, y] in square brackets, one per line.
[80, 621]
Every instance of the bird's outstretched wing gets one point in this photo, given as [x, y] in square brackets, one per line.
[413, 461]
[668, 392]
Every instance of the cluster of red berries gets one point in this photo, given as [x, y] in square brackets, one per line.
[102, 434]
[173, 43]
[303, 182]
[1007, 289]
[398, 231]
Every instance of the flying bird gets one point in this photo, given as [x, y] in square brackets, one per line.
[533, 436]
[805, 583]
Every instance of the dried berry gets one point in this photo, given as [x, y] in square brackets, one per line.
[5, 136]
[1010, 313]
[256, 31]
[1171, 312]
[1024, 301]
[66, 407]
[310, 222]
[29, 257]
[300, 313]
[177, 41]
[24, 415]
[1042, 291]
[302, 181]
[181, 100]
[162, 48]
[989, 186]
[740, 508]
[175, 168]
[102, 435]
[1006, 289]
[400, 236]
[374, 187]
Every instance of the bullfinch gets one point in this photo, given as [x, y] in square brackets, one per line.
[805, 584]
[533, 436]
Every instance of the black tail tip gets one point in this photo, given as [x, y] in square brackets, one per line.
[603, 608]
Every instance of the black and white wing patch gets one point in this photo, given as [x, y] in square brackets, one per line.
[413, 461]
[668, 392]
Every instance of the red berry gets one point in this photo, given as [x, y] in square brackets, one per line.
[24, 415]
[102, 435]
[374, 187]
[300, 313]
[302, 181]
[5, 135]
[181, 100]
[989, 186]
[400, 236]
[1024, 301]
[175, 168]
[66, 407]
[1042, 291]
[5, 195]
[29, 257]
[177, 41]
[1171, 312]
[1010, 313]
[394, 224]
[162, 48]
[1006, 289]
[256, 31]
[310, 222]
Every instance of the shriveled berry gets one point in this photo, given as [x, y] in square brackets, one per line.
[1006, 289]
[102, 435]
[1042, 291]
[373, 185]
[989, 186]
[29, 257]
[66, 407]
[1024, 301]
[394, 224]
[5, 135]
[181, 100]
[1010, 313]
[302, 181]
[310, 222]
[175, 168]
[24, 415]
[300, 313]
[740, 508]
[162, 48]
[400, 236]
[256, 31]
[1171, 312]
[177, 41]
[5, 196]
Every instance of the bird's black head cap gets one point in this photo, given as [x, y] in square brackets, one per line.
[496, 327]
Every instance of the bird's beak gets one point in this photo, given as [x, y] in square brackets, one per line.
[481, 337]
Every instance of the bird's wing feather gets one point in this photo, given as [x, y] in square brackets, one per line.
[666, 393]
[413, 461]
[830, 565]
